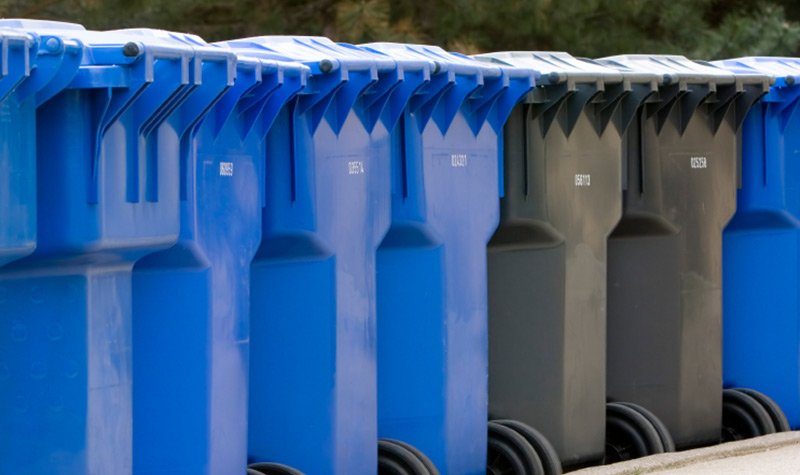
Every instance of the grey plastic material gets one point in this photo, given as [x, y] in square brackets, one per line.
[664, 257]
[547, 260]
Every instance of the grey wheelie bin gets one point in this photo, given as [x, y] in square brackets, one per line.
[665, 256]
[547, 260]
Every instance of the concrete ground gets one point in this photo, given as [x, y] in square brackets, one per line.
[776, 454]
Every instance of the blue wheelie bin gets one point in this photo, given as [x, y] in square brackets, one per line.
[760, 248]
[312, 328]
[20, 54]
[191, 302]
[665, 256]
[107, 190]
[432, 335]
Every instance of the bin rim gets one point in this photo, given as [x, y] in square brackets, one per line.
[271, 66]
[558, 66]
[773, 66]
[321, 54]
[444, 61]
[671, 68]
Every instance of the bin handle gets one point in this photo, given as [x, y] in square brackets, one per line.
[515, 91]
[400, 97]
[290, 85]
[454, 98]
[483, 99]
[15, 67]
[192, 113]
[376, 96]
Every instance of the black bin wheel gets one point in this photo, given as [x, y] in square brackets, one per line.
[773, 409]
[658, 424]
[743, 416]
[401, 459]
[429, 465]
[629, 434]
[510, 454]
[270, 468]
[551, 462]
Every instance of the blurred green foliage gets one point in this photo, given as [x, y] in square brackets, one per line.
[707, 29]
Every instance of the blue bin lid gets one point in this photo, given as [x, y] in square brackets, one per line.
[339, 74]
[783, 71]
[151, 71]
[458, 80]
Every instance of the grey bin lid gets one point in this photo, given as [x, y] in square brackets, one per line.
[675, 69]
[558, 67]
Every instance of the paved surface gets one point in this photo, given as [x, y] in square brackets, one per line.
[776, 454]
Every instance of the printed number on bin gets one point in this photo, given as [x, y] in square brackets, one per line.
[583, 179]
[458, 160]
[226, 169]
[355, 167]
[698, 162]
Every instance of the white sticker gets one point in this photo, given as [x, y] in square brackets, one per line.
[698, 162]
[458, 160]
[225, 168]
[583, 179]
[355, 167]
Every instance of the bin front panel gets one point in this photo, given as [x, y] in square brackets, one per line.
[665, 256]
[547, 260]
[107, 191]
[432, 263]
[760, 245]
[312, 369]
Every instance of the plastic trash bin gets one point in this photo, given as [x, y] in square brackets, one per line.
[432, 262]
[547, 260]
[19, 55]
[760, 248]
[192, 301]
[107, 181]
[665, 256]
[312, 366]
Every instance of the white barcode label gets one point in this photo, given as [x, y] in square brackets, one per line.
[226, 169]
[355, 167]
[583, 179]
[458, 160]
[698, 162]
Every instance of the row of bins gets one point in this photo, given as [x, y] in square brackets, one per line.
[273, 251]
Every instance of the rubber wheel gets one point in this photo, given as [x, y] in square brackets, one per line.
[743, 417]
[510, 454]
[429, 465]
[269, 468]
[250, 471]
[773, 409]
[629, 434]
[551, 463]
[394, 459]
[661, 428]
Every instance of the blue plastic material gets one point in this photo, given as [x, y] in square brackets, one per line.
[761, 337]
[107, 180]
[312, 366]
[19, 54]
[432, 310]
[192, 302]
